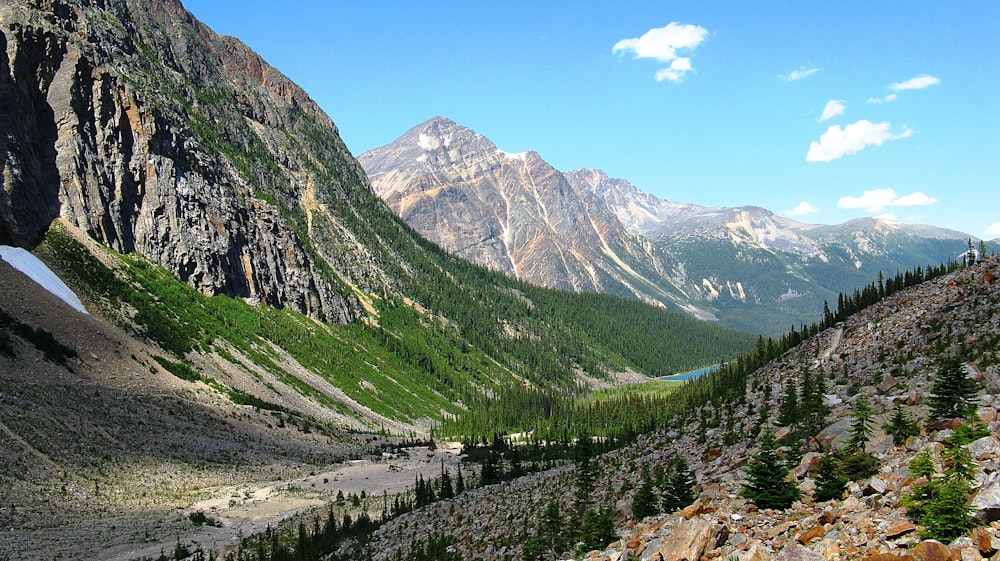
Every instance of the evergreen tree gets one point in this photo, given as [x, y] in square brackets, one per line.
[447, 491]
[678, 487]
[548, 540]
[597, 529]
[766, 484]
[789, 412]
[644, 501]
[830, 480]
[953, 395]
[815, 410]
[900, 427]
[861, 419]
[459, 482]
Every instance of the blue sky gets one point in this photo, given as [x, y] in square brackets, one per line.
[822, 112]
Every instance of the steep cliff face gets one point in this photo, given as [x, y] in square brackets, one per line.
[153, 134]
[514, 213]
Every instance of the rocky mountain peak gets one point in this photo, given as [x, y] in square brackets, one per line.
[638, 211]
[510, 212]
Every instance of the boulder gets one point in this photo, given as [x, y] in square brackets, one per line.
[887, 383]
[795, 551]
[835, 435]
[757, 552]
[931, 550]
[983, 541]
[899, 528]
[692, 539]
[806, 465]
[810, 535]
[985, 448]
[987, 498]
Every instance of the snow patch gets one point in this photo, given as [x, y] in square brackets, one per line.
[428, 142]
[37, 271]
[790, 294]
[515, 156]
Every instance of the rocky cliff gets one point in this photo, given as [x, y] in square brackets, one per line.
[138, 124]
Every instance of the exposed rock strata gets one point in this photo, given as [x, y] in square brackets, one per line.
[136, 123]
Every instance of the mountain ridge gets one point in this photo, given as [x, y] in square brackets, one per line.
[769, 271]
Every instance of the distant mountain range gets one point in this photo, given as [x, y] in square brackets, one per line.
[582, 230]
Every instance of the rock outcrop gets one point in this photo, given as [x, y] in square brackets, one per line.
[139, 125]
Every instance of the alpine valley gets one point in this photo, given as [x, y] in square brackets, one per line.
[222, 336]
[744, 267]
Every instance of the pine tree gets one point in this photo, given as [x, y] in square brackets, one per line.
[815, 410]
[678, 487]
[548, 540]
[900, 427]
[644, 501]
[830, 480]
[789, 412]
[766, 484]
[953, 395]
[447, 491]
[861, 419]
[460, 482]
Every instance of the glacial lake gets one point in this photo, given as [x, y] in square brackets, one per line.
[692, 374]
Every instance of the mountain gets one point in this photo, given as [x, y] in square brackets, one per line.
[255, 312]
[744, 267]
[515, 213]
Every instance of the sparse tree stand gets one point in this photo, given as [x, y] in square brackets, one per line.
[941, 504]
[767, 485]
[953, 395]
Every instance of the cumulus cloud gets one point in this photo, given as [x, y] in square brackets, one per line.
[799, 74]
[833, 108]
[917, 83]
[662, 44]
[877, 200]
[803, 209]
[837, 142]
[993, 230]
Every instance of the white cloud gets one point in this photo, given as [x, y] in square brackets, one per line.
[880, 100]
[799, 74]
[662, 44]
[917, 83]
[833, 108]
[803, 209]
[993, 230]
[837, 142]
[877, 200]
[675, 73]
